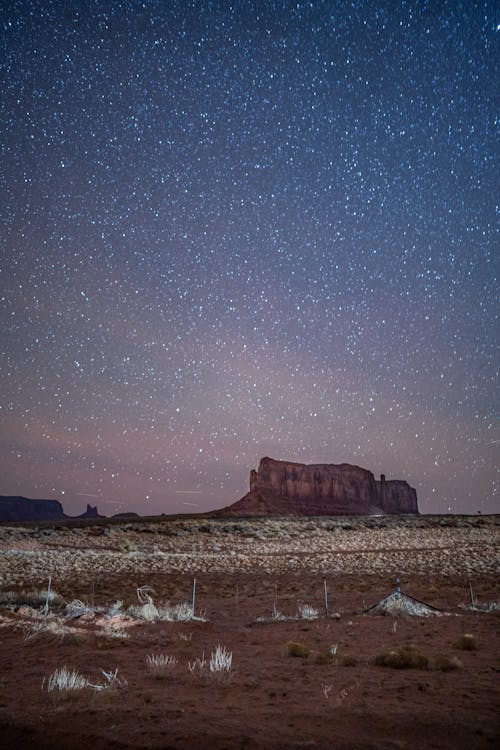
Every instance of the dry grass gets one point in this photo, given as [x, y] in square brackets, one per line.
[161, 665]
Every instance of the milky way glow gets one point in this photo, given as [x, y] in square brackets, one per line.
[232, 230]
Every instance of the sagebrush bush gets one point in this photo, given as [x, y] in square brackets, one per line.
[467, 642]
[447, 664]
[298, 649]
[348, 661]
[405, 657]
[324, 657]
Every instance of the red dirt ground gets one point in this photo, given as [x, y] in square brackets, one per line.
[272, 700]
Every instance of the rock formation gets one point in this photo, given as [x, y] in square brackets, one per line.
[91, 512]
[282, 488]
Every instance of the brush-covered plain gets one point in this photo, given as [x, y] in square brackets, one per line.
[270, 647]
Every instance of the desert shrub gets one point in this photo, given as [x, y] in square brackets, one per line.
[467, 642]
[8, 598]
[34, 599]
[148, 610]
[447, 664]
[182, 612]
[405, 657]
[348, 661]
[324, 657]
[116, 608]
[128, 546]
[298, 649]
[77, 608]
[114, 631]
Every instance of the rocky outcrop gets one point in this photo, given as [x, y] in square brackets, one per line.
[91, 512]
[285, 488]
[14, 508]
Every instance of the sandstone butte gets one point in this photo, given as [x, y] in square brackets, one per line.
[283, 488]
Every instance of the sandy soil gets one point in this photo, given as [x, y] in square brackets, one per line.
[244, 572]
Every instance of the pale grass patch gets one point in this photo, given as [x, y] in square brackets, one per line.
[54, 627]
[147, 610]
[198, 666]
[307, 612]
[182, 612]
[64, 680]
[221, 660]
[161, 665]
[218, 667]
[113, 630]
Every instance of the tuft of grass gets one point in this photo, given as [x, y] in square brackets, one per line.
[221, 660]
[51, 627]
[147, 609]
[198, 666]
[161, 665]
[219, 667]
[467, 642]
[448, 664]
[405, 657]
[64, 680]
[307, 612]
[297, 649]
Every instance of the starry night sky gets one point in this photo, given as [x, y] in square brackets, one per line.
[237, 229]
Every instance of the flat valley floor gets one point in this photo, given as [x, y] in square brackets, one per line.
[294, 682]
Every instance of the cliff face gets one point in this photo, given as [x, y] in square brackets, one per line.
[396, 496]
[285, 488]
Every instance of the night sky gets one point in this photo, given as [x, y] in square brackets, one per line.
[249, 228]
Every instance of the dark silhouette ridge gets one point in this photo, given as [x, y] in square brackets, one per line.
[15, 508]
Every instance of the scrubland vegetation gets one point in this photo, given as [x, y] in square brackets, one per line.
[281, 647]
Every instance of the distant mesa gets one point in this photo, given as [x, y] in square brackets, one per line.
[15, 508]
[283, 488]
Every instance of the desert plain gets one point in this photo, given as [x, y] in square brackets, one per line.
[111, 600]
